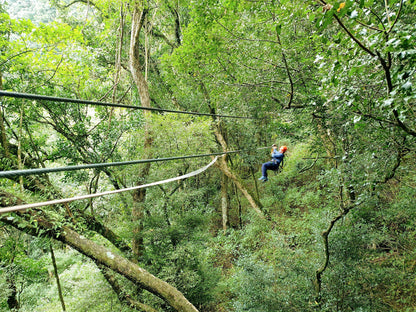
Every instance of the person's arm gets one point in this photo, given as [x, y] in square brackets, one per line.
[275, 153]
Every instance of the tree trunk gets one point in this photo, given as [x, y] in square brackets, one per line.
[128, 269]
[135, 67]
[224, 202]
[255, 204]
[4, 142]
[99, 254]
[222, 162]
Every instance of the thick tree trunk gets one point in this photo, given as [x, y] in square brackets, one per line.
[98, 253]
[135, 67]
[128, 269]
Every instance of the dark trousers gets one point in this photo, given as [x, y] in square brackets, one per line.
[269, 166]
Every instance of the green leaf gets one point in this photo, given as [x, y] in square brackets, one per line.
[407, 85]
[279, 29]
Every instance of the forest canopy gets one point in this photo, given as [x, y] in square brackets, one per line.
[100, 96]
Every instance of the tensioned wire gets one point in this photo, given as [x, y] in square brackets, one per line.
[77, 101]
[67, 200]
[26, 172]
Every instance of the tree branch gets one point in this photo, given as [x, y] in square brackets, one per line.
[124, 298]
[355, 39]
[397, 17]
[287, 71]
[325, 235]
[306, 168]
[16, 55]
[402, 125]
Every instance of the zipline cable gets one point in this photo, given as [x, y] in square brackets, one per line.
[68, 200]
[77, 101]
[26, 172]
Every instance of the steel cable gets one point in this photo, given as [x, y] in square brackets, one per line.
[37, 171]
[77, 101]
[71, 199]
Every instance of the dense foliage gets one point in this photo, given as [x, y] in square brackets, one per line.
[334, 230]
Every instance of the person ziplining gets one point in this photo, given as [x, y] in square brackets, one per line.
[277, 159]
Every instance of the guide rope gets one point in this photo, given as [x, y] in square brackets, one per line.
[37, 171]
[77, 101]
[71, 199]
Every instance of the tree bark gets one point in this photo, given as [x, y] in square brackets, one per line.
[254, 203]
[128, 269]
[135, 66]
[222, 161]
[4, 142]
[96, 252]
[224, 202]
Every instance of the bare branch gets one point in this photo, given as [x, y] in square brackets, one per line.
[16, 55]
[309, 167]
[355, 39]
[242, 38]
[397, 17]
[289, 76]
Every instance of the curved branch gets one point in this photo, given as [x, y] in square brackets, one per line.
[325, 235]
[397, 17]
[309, 167]
[158, 34]
[54, 71]
[402, 125]
[369, 27]
[287, 71]
[178, 31]
[88, 2]
[355, 39]
[16, 55]
[376, 16]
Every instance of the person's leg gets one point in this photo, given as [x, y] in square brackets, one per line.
[266, 166]
[264, 170]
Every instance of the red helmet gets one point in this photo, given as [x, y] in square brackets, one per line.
[283, 149]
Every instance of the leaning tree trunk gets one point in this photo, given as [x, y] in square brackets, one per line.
[255, 204]
[98, 253]
[135, 66]
[223, 165]
[222, 161]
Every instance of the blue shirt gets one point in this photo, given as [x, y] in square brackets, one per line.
[277, 157]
